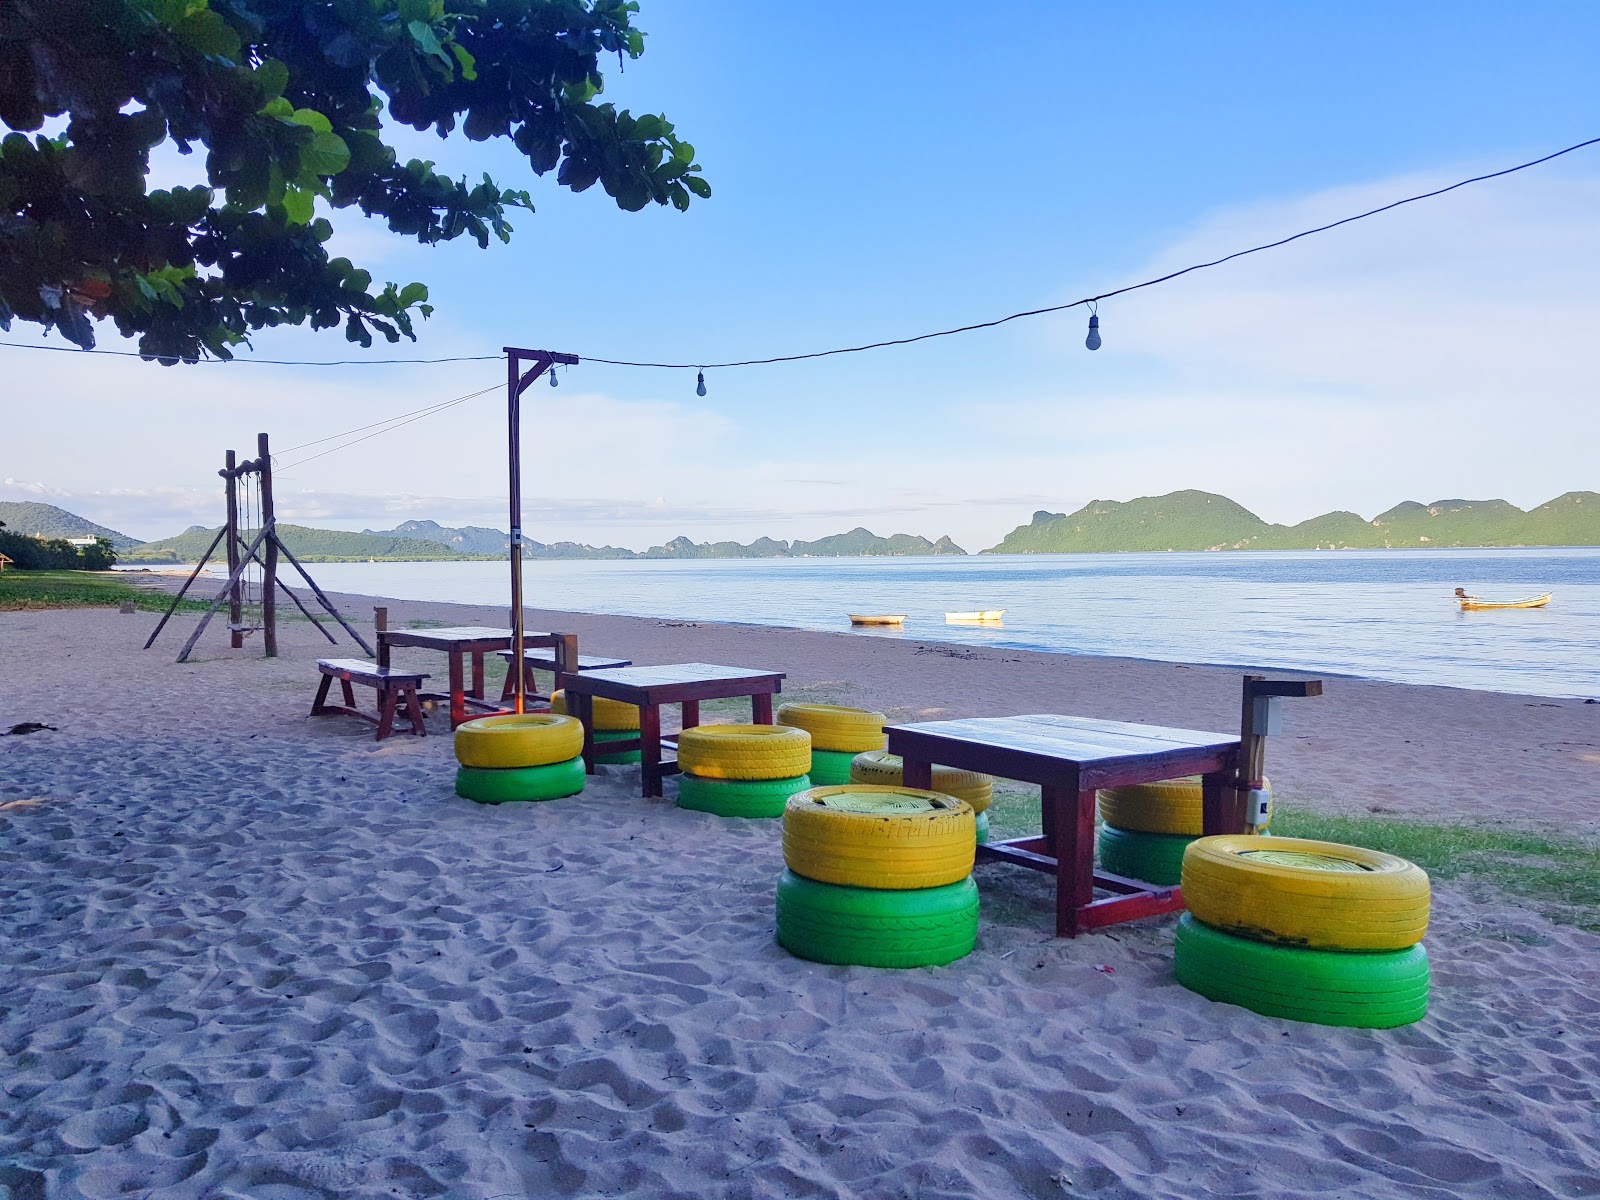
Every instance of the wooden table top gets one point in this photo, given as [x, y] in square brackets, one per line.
[1079, 740]
[452, 636]
[670, 676]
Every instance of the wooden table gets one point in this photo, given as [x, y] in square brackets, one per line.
[649, 688]
[457, 642]
[1070, 758]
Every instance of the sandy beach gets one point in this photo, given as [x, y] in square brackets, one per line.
[252, 954]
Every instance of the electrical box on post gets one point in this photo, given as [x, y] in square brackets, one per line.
[1268, 716]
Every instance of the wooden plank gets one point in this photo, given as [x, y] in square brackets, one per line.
[183, 655]
[271, 528]
[178, 599]
[1003, 852]
[1115, 909]
[1048, 731]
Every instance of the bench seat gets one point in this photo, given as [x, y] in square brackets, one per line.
[397, 693]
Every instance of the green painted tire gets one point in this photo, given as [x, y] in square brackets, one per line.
[739, 797]
[492, 785]
[1152, 857]
[830, 768]
[983, 827]
[865, 927]
[1378, 990]
[615, 760]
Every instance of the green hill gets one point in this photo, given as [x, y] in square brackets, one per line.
[857, 542]
[29, 517]
[308, 545]
[1192, 520]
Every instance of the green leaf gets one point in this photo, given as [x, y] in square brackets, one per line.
[413, 293]
[272, 77]
[278, 108]
[325, 155]
[415, 10]
[464, 59]
[312, 120]
[207, 33]
[299, 205]
[422, 34]
[698, 186]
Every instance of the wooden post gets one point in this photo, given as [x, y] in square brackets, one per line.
[514, 467]
[517, 381]
[380, 626]
[235, 606]
[1253, 741]
[269, 570]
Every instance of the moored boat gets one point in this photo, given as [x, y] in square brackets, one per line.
[1475, 603]
[987, 614]
[876, 618]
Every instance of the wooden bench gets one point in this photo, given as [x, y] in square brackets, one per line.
[397, 692]
[558, 664]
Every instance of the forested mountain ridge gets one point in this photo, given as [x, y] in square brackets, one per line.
[1194, 520]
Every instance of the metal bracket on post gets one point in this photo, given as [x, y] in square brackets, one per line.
[1261, 716]
[517, 381]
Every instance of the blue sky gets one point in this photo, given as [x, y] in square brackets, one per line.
[884, 169]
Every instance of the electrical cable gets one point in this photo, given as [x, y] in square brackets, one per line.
[360, 428]
[905, 341]
[390, 427]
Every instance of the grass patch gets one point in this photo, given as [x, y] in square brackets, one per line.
[1560, 874]
[25, 590]
[425, 623]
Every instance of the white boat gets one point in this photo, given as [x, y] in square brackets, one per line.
[877, 618]
[987, 614]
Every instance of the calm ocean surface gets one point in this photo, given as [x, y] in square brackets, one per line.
[1385, 614]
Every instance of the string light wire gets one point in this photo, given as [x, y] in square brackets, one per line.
[879, 345]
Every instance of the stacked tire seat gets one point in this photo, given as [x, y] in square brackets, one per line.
[614, 721]
[838, 734]
[1146, 827]
[1310, 931]
[742, 770]
[881, 767]
[534, 756]
[877, 876]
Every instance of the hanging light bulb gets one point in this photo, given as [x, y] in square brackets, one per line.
[700, 385]
[554, 382]
[1093, 340]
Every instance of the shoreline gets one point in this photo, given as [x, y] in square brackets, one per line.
[1366, 746]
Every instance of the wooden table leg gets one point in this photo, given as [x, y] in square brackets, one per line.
[387, 696]
[581, 706]
[691, 714]
[650, 748]
[1074, 850]
[477, 675]
[414, 709]
[1221, 807]
[761, 708]
[916, 773]
[458, 690]
[349, 693]
[322, 695]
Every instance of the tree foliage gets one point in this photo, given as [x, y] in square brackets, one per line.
[57, 554]
[288, 100]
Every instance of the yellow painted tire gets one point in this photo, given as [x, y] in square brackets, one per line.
[529, 740]
[745, 751]
[610, 716]
[1295, 892]
[833, 727]
[879, 766]
[1165, 806]
[873, 836]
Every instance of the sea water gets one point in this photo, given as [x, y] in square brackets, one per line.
[1381, 614]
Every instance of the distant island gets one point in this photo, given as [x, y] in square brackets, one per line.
[428, 541]
[1187, 520]
[1193, 520]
